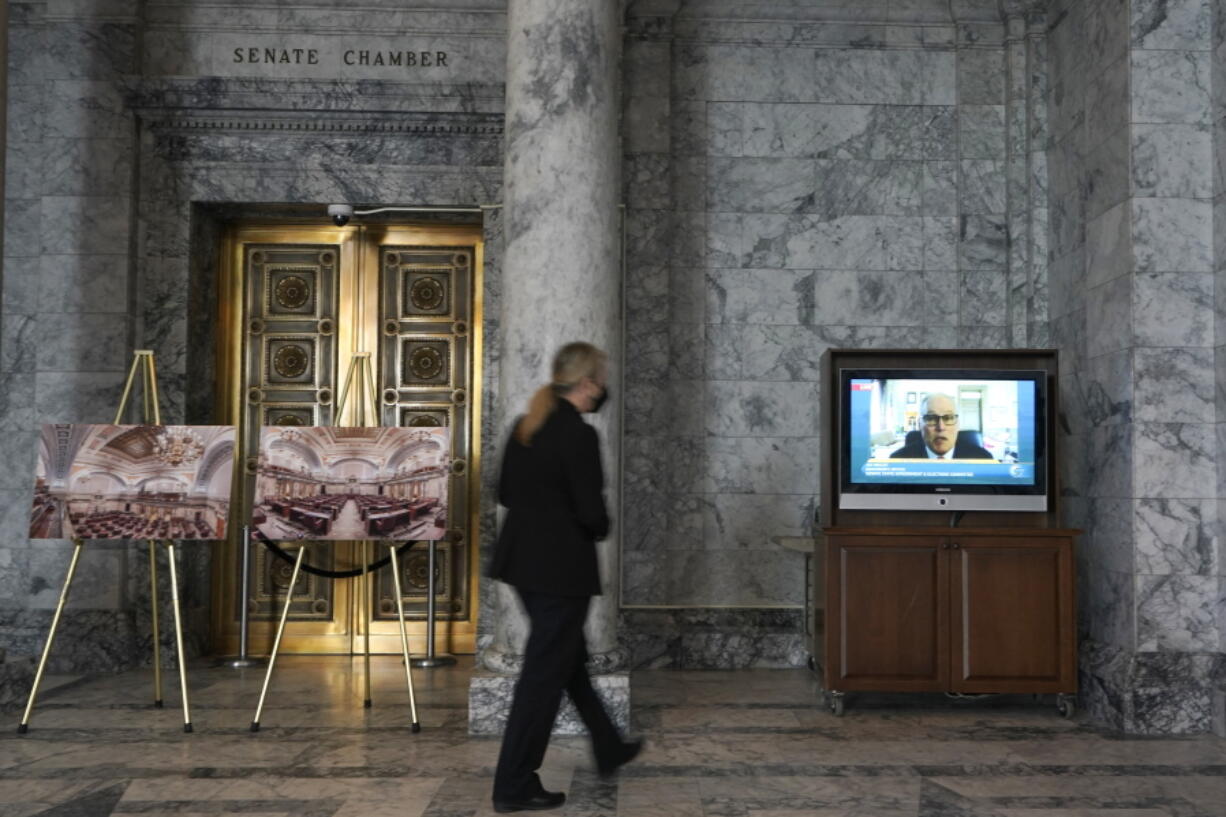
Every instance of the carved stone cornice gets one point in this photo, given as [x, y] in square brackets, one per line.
[1022, 8]
[845, 11]
[313, 122]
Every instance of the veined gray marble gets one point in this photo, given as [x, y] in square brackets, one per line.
[983, 186]
[1173, 309]
[83, 283]
[981, 131]
[562, 114]
[1111, 454]
[750, 520]
[1174, 385]
[982, 299]
[1171, 24]
[886, 298]
[79, 224]
[760, 185]
[489, 701]
[853, 187]
[1107, 174]
[1109, 541]
[1177, 613]
[981, 77]
[1108, 245]
[87, 109]
[1174, 460]
[1176, 536]
[736, 578]
[88, 641]
[760, 464]
[1111, 607]
[1169, 161]
[733, 72]
[832, 131]
[1173, 235]
[1108, 310]
[16, 677]
[802, 242]
[1170, 87]
[982, 242]
[90, 342]
[77, 397]
[759, 296]
[890, 77]
[1107, 388]
[765, 409]
[940, 243]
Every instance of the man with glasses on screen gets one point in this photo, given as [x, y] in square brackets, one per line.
[941, 440]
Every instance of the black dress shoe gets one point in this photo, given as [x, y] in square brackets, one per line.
[629, 751]
[542, 801]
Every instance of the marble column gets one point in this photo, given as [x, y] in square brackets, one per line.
[561, 282]
[1133, 265]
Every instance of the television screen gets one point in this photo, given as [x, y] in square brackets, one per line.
[943, 439]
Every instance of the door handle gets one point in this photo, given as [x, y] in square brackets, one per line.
[955, 546]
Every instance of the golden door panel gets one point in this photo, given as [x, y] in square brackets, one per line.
[298, 302]
[426, 372]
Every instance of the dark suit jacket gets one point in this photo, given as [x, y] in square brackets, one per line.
[554, 492]
[962, 451]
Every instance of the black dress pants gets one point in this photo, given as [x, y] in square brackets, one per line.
[555, 660]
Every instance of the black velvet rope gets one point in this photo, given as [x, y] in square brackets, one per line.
[339, 574]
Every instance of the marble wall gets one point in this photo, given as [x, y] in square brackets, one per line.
[848, 177]
[1132, 280]
[66, 327]
[796, 177]
[1218, 117]
[129, 137]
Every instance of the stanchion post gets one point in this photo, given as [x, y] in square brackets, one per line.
[243, 660]
[366, 596]
[157, 632]
[431, 659]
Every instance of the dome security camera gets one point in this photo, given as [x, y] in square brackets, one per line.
[340, 214]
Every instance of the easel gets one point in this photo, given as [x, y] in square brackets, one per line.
[367, 399]
[143, 360]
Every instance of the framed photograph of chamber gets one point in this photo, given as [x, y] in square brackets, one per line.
[132, 482]
[326, 482]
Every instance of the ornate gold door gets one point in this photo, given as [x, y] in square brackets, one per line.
[297, 303]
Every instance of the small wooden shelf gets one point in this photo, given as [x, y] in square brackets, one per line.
[914, 605]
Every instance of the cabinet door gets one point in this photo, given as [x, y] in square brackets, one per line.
[888, 613]
[1012, 614]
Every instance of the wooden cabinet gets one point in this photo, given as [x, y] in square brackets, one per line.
[940, 610]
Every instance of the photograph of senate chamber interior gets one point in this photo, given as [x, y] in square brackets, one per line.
[132, 482]
[351, 483]
[836, 253]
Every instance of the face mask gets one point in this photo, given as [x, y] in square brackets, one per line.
[600, 401]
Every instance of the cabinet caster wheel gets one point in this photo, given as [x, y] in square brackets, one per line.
[834, 701]
[1066, 705]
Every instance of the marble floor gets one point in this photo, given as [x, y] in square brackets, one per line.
[721, 744]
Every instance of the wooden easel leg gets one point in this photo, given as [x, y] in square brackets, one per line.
[276, 644]
[24, 726]
[174, 595]
[404, 638]
[366, 595]
[157, 634]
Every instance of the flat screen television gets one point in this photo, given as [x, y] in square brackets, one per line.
[943, 439]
